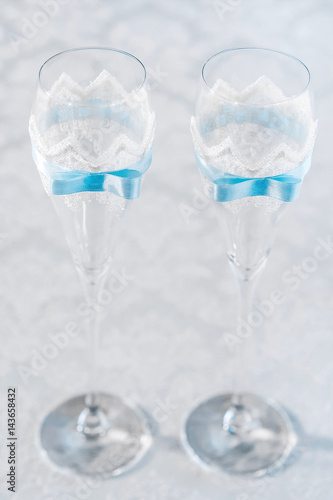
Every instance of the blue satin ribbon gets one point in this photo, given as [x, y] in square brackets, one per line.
[265, 117]
[125, 182]
[228, 187]
[96, 109]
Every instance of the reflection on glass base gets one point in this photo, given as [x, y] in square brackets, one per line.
[122, 446]
[262, 448]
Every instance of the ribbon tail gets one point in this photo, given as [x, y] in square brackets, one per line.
[286, 189]
[73, 182]
[226, 189]
[126, 183]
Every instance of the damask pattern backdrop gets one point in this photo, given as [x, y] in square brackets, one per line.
[170, 296]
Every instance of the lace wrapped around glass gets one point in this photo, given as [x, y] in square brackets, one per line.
[92, 131]
[253, 134]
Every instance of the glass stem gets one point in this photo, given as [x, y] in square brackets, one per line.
[244, 331]
[93, 335]
[92, 421]
[238, 419]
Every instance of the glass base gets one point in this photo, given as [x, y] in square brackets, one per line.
[262, 446]
[123, 444]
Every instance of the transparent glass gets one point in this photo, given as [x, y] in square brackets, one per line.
[253, 118]
[91, 113]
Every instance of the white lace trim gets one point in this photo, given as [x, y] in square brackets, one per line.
[261, 92]
[122, 152]
[93, 144]
[251, 149]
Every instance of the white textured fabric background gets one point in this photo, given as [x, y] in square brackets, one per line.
[162, 333]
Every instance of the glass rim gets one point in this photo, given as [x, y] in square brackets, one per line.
[79, 49]
[263, 49]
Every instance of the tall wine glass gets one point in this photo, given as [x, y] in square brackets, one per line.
[253, 133]
[92, 130]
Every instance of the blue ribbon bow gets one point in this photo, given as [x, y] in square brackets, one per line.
[125, 182]
[228, 187]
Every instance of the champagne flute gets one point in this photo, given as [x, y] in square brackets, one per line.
[253, 133]
[92, 130]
